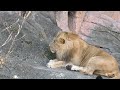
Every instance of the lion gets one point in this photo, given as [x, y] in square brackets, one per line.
[75, 54]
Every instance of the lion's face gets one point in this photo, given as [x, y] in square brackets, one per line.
[63, 41]
[58, 43]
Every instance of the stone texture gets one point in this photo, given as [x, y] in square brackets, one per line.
[103, 31]
[31, 52]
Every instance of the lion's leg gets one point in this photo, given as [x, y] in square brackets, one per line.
[70, 66]
[85, 70]
[101, 66]
[95, 63]
[55, 63]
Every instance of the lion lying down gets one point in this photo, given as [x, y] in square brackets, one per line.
[75, 54]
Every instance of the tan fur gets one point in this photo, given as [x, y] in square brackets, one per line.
[70, 48]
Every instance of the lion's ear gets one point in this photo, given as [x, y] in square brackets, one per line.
[61, 40]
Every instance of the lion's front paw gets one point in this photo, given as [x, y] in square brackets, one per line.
[72, 67]
[50, 64]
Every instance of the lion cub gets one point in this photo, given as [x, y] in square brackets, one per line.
[75, 54]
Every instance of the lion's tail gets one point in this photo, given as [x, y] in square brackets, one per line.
[117, 76]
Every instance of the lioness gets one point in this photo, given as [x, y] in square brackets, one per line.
[75, 54]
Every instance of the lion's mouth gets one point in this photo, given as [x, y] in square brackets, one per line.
[52, 51]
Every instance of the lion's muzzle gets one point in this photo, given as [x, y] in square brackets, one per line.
[52, 48]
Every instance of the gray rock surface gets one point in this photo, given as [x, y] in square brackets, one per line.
[30, 52]
[99, 29]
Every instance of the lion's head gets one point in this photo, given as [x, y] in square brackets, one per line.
[64, 44]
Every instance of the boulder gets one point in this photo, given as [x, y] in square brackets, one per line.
[26, 55]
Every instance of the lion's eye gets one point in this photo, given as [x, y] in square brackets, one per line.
[61, 40]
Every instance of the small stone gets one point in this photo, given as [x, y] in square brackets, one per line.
[15, 76]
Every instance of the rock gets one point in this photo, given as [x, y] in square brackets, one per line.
[103, 31]
[30, 52]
